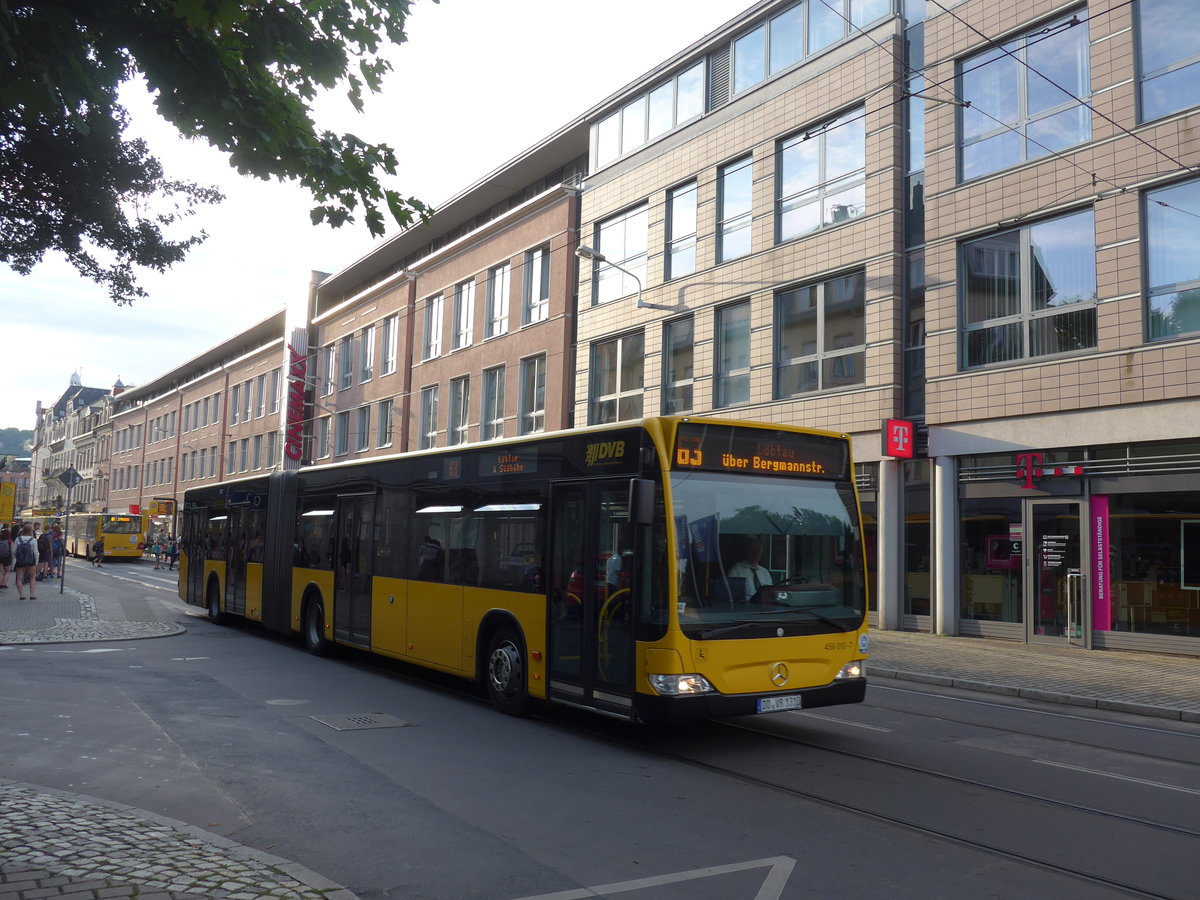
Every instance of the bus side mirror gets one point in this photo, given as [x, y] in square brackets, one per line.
[641, 501]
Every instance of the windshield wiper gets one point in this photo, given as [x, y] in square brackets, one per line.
[725, 629]
[743, 623]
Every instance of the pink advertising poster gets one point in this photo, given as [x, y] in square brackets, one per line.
[1102, 606]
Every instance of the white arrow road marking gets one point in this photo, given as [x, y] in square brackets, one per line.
[772, 887]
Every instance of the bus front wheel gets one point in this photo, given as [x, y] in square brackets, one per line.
[506, 672]
[314, 628]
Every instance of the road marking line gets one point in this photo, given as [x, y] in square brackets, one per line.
[1169, 787]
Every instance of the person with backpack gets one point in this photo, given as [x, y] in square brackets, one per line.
[25, 558]
[45, 554]
[5, 556]
[98, 552]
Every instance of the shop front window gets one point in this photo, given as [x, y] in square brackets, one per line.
[1154, 563]
[991, 564]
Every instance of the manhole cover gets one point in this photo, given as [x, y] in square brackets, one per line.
[361, 721]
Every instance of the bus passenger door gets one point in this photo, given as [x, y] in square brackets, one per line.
[590, 613]
[236, 527]
[352, 570]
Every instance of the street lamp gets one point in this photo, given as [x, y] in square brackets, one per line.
[585, 252]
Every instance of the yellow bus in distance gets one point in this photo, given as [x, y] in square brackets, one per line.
[124, 534]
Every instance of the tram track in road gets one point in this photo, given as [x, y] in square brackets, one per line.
[971, 813]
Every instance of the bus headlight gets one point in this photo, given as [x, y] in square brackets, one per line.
[680, 685]
[854, 669]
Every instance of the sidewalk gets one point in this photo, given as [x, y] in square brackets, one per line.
[132, 852]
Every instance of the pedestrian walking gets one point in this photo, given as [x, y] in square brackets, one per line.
[98, 552]
[58, 549]
[5, 556]
[156, 550]
[25, 557]
[172, 553]
[44, 550]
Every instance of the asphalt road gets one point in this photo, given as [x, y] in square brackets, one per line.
[403, 786]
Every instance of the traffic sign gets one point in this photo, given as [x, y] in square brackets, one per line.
[70, 477]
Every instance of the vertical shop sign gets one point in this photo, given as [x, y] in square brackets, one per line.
[1102, 605]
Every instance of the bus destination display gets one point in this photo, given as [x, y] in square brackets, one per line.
[721, 448]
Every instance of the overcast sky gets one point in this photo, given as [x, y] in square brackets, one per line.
[478, 82]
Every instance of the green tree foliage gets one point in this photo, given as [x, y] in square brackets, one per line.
[239, 74]
[13, 441]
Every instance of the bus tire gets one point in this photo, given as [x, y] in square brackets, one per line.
[212, 602]
[505, 672]
[313, 627]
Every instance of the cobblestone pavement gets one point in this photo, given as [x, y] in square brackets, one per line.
[67, 617]
[54, 844]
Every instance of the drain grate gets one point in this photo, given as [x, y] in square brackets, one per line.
[361, 721]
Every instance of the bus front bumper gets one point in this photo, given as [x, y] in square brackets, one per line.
[668, 710]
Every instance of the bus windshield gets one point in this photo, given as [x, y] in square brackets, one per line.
[121, 524]
[762, 557]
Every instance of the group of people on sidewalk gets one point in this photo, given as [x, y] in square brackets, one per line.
[165, 551]
[31, 555]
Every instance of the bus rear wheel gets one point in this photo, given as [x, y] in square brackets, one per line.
[506, 672]
[213, 605]
[314, 628]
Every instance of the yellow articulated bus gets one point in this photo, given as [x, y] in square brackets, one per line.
[666, 570]
[124, 534]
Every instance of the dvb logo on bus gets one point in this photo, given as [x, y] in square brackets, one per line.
[605, 451]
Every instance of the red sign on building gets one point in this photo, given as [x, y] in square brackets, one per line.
[899, 438]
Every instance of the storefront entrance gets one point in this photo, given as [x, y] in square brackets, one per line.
[1055, 572]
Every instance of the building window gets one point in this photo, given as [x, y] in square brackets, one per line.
[272, 459]
[431, 344]
[429, 417]
[235, 404]
[617, 379]
[464, 314]
[216, 408]
[323, 437]
[383, 422]
[822, 176]
[460, 395]
[276, 384]
[328, 370]
[246, 398]
[342, 435]
[260, 396]
[678, 337]
[1029, 292]
[820, 340]
[212, 463]
[362, 428]
[1173, 261]
[532, 414]
[780, 42]
[1015, 106]
[1169, 70]
[622, 239]
[650, 115]
[197, 470]
[734, 209]
[366, 364]
[387, 349]
[244, 455]
[258, 451]
[491, 416]
[346, 357]
[681, 231]
[497, 301]
[732, 376]
[536, 304]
